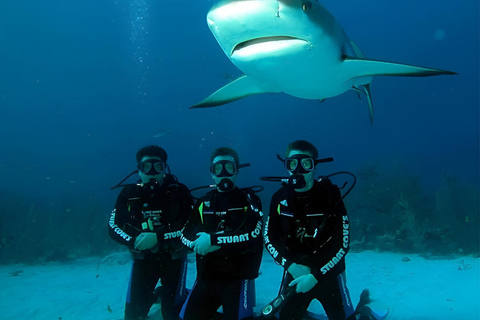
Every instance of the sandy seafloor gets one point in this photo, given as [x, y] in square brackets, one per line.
[95, 288]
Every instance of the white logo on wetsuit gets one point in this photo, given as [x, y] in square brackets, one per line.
[172, 235]
[233, 239]
[258, 229]
[117, 229]
[302, 233]
[341, 253]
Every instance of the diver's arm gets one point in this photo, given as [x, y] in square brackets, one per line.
[173, 231]
[190, 229]
[273, 238]
[331, 255]
[118, 227]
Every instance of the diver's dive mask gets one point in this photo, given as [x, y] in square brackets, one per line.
[225, 168]
[301, 163]
[151, 167]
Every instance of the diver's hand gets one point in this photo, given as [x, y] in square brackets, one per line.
[213, 248]
[304, 283]
[298, 270]
[202, 245]
[145, 241]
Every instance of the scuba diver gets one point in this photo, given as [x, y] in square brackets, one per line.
[307, 233]
[148, 218]
[225, 232]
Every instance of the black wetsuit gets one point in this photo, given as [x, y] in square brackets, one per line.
[311, 228]
[164, 210]
[225, 277]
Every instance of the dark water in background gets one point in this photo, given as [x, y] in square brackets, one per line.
[83, 87]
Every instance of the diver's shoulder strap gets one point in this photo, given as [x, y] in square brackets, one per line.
[252, 198]
[170, 179]
[324, 180]
[174, 186]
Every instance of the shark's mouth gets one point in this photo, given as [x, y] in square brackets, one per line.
[265, 44]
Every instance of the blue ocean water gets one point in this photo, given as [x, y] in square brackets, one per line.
[85, 84]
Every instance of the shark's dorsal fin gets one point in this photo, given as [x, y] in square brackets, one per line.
[357, 50]
[360, 67]
[242, 87]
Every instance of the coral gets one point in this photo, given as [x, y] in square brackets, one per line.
[390, 211]
[40, 231]
[463, 266]
[415, 232]
[457, 206]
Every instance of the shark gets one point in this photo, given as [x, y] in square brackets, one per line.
[296, 47]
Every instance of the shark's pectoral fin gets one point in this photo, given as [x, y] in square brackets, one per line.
[368, 93]
[242, 87]
[360, 67]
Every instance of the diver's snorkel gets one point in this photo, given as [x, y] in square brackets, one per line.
[298, 168]
[297, 181]
[244, 165]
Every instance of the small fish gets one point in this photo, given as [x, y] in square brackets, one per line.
[108, 308]
[15, 273]
[228, 76]
[161, 133]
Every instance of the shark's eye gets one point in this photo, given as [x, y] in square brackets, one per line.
[307, 5]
